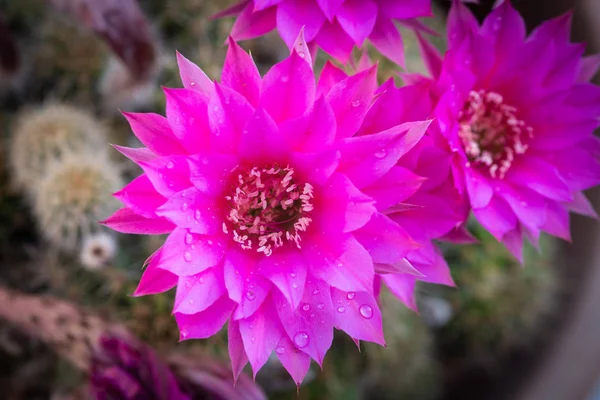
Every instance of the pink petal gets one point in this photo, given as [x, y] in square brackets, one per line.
[316, 168]
[330, 76]
[314, 131]
[513, 241]
[261, 141]
[480, 190]
[192, 210]
[310, 327]
[365, 159]
[240, 73]
[343, 206]
[198, 292]
[185, 253]
[350, 99]
[581, 205]
[210, 173]
[461, 24]
[335, 41]
[430, 262]
[228, 114]
[341, 262]
[168, 175]
[155, 280]
[233, 10]
[141, 197]
[431, 56]
[154, 132]
[302, 48]
[288, 89]
[540, 176]
[262, 4]
[287, 269]
[386, 38]
[557, 221]
[459, 235]
[357, 314]
[497, 217]
[126, 221]
[206, 323]
[386, 241]
[292, 16]
[193, 77]
[405, 9]
[293, 360]
[247, 289]
[250, 24]
[330, 7]
[394, 187]
[187, 113]
[136, 154]
[403, 287]
[260, 332]
[528, 206]
[589, 68]
[402, 267]
[507, 28]
[235, 345]
[357, 18]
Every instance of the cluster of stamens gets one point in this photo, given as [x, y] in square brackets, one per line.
[491, 133]
[267, 208]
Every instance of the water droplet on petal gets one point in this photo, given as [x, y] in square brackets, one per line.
[366, 311]
[301, 54]
[294, 285]
[356, 103]
[285, 78]
[316, 291]
[184, 206]
[250, 295]
[381, 153]
[301, 339]
[187, 256]
[320, 306]
[189, 238]
[293, 275]
[350, 295]
[170, 165]
[197, 214]
[280, 350]
[184, 334]
[253, 339]
[340, 265]
[191, 302]
[201, 280]
[341, 309]
[306, 307]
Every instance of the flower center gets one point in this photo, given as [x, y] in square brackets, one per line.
[267, 208]
[491, 133]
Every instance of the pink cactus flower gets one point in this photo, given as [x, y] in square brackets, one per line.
[519, 114]
[336, 26]
[270, 199]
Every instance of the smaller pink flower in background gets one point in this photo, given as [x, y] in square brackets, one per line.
[336, 26]
[273, 204]
[519, 114]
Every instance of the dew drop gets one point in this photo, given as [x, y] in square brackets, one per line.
[340, 265]
[170, 165]
[201, 280]
[250, 295]
[294, 285]
[210, 242]
[301, 54]
[285, 78]
[191, 302]
[279, 350]
[316, 291]
[381, 153]
[184, 206]
[197, 214]
[253, 339]
[184, 334]
[293, 275]
[306, 307]
[189, 238]
[366, 311]
[187, 256]
[356, 103]
[320, 306]
[301, 339]
[192, 83]
[341, 309]
[350, 296]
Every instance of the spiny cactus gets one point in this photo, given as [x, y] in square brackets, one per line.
[75, 193]
[405, 369]
[97, 250]
[49, 133]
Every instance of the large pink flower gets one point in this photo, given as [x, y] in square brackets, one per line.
[336, 26]
[519, 114]
[272, 204]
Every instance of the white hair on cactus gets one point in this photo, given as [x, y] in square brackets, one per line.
[97, 250]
